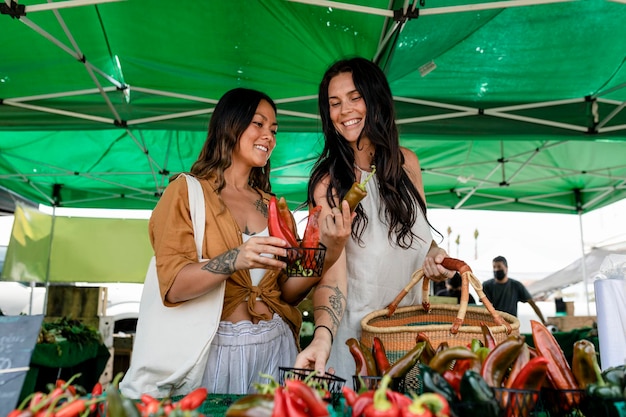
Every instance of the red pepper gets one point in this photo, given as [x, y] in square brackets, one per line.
[559, 372]
[381, 406]
[522, 359]
[398, 399]
[454, 379]
[294, 405]
[429, 404]
[490, 339]
[530, 378]
[361, 403]
[95, 392]
[380, 356]
[429, 350]
[349, 394]
[194, 399]
[360, 361]
[314, 403]
[280, 406]
[275, 225]
[311, 238]
[71, 408]
[500, 359]
[36, 399]
[287, 216]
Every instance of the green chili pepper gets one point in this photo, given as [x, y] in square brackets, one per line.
[403, 365]
[474, 389]
[435, 382]
[254, 405]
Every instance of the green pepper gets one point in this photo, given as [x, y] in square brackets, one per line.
[615, 375]
[434, 382]
[607, 392]
[357, 192]
[403, 365]
[474, 389]
[130, 408]
[585, 364]
[253, 405]
[115, 407]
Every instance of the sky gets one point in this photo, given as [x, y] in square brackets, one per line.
[535, 244]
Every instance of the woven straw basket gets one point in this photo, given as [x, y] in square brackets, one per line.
[398, 332]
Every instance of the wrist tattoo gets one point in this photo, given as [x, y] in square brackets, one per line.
[223, 264]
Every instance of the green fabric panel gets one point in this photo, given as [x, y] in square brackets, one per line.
[82, 250]
[29, 246]
[99, 250]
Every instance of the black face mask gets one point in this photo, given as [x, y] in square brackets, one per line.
[499, 274]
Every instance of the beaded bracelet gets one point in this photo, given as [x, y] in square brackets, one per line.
[327, 328]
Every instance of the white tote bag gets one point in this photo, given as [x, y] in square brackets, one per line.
[172, 344]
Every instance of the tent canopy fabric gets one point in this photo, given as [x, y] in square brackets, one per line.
[573, 273]
[508, 108]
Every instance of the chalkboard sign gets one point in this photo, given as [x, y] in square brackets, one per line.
[18, 336]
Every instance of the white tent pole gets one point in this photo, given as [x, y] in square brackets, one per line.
[64, 5]
[433, 10]
[584, 265]
[611, 115]
[45, 299]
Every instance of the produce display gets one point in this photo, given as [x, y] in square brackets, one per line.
[65, 399]
[484, 378]
[508, 378]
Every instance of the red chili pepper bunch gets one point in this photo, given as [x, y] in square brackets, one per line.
[296, 398]
[384, 402]
[185, 407]
[282, 224]
[63, 400]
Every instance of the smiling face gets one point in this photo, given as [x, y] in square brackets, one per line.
[347, 107]
[257, 142]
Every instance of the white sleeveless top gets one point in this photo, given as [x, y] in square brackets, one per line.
[256, 273]
[377, 272]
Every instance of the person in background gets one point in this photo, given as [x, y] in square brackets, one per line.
[504, 292]
[453, 289]
[391, 237]
[260, 324]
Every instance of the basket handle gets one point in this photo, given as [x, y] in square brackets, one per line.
[467, 277]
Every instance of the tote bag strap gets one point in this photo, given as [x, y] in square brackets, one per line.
[197, 210]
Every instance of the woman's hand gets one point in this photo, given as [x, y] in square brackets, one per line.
[314, 356]
[335, 230]
[432, 267]
[261, 252]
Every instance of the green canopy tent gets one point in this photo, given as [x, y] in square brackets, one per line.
[510, 105]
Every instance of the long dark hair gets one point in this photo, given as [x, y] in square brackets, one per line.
[231, 117]
[337, 158]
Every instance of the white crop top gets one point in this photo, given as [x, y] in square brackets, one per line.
[256, 274]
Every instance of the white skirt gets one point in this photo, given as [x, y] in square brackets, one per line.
[241, 352]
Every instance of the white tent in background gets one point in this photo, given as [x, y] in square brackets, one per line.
[573, 273]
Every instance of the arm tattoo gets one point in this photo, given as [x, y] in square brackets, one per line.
[336, 303]
[223, 264]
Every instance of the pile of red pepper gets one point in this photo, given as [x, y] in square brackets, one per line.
[384, 402]
[301, 256]
[68, 400]
[296, 398]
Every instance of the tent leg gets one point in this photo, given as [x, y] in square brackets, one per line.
[584, 265]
